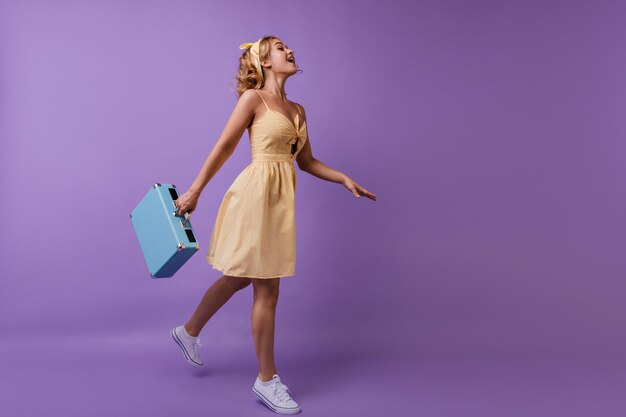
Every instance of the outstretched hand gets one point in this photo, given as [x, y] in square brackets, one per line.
[357, 190]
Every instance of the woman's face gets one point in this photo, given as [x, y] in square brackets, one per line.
[282, 58]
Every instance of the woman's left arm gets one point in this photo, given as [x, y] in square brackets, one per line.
[307, 163]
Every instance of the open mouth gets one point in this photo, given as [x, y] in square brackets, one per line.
[292, 60]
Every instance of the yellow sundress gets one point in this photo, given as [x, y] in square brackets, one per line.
[254, 234]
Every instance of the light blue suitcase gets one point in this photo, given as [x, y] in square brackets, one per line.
[166, 238]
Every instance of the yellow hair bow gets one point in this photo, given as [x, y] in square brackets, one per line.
[254, 51]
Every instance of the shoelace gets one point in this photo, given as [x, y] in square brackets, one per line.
[196, 346]
[281, 392]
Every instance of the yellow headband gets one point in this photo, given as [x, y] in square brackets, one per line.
[254, 51]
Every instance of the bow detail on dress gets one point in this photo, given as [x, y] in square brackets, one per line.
[297, 131]
[293, 140]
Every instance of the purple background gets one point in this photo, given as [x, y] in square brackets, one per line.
[488, 278]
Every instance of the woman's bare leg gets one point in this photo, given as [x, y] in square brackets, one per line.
[214, 298]
[263, 320]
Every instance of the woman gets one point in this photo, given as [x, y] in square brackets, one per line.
[253, 240]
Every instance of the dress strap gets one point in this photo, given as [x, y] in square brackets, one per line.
[257, 91]
[298, 106]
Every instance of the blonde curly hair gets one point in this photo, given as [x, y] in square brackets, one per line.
[248, 76]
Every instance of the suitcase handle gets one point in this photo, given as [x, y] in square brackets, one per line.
[174, 195]
[187, 216]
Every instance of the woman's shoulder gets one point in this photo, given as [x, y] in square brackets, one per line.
[250, 92]
[300, 108]
[250, 101]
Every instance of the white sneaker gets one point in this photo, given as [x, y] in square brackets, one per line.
[275, 395]
[188, 344]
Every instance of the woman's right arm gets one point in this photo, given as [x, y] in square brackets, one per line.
[239, 120]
